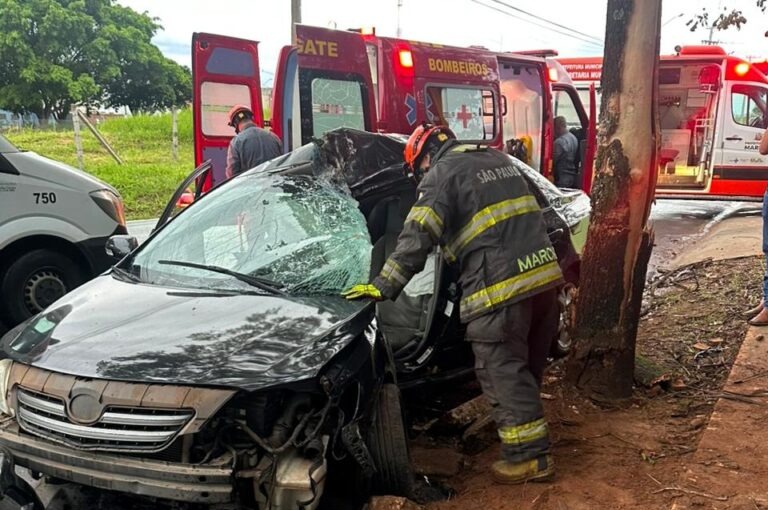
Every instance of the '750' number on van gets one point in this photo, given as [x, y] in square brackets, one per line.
[45, 198]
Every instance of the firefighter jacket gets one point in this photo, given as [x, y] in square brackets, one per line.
[477, 207]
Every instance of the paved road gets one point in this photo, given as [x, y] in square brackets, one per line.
[679, 222]
[141, 228]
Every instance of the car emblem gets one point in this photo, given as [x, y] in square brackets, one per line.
[85, 409]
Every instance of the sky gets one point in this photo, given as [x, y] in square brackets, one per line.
[494, 24]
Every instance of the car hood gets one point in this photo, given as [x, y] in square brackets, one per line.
[111, 329]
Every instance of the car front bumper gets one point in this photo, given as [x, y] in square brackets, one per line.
[165, 480]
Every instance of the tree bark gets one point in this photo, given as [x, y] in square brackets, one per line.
[619, 241]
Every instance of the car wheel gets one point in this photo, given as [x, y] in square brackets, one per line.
[34, 281]
[561, 347]
[389, 445]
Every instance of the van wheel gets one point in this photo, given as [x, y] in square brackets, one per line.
[389, 445]
[34, 281]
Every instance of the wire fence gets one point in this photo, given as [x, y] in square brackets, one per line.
[15, 122]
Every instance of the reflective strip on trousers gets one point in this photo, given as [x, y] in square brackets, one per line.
[522, 434]
[488, 217]
[428, 219]
[503, 291]
[393, 272]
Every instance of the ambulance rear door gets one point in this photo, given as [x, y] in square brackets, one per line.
[225, 73]
[527, 108]
[322, 84]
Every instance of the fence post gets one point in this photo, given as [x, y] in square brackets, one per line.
[175, 143]
[100, 138]
[78, 139]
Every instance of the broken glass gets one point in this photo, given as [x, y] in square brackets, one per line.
[300, 231]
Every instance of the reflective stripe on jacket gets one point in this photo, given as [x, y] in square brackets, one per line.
[477, 207]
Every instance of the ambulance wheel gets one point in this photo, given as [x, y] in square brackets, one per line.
[34, 281]
[561, 346]
[388, 442]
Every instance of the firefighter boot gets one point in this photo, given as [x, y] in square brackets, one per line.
[541, 469]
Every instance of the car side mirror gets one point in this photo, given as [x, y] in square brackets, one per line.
[120, 246]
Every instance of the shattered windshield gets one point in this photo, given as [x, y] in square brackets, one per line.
[299, 232]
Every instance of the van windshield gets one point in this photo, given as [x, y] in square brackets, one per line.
[300, 232]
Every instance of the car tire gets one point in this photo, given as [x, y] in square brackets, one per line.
[34, 281]
[561, 345]
[388, 442]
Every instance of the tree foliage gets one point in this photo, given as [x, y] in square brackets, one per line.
[724, 20]
[55, 53]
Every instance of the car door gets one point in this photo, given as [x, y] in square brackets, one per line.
[225, 73]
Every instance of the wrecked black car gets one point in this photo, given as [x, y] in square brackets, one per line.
[217, 366]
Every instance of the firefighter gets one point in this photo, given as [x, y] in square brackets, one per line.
[474, 203]
[252, 145]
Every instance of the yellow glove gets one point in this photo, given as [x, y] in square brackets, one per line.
[363, 291]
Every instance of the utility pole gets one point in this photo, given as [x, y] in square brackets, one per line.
[711, 33]
[295, 18]
[399, 30]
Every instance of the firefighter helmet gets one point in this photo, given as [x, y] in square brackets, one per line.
[239, 113]
[421, 140]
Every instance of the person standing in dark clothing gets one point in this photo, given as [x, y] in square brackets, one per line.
[566, 151]
[475, 204]
[252, 146]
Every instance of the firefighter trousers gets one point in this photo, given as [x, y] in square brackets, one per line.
[511, 346]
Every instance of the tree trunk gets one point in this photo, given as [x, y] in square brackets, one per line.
[619, 242]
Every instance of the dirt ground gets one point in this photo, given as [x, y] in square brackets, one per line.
[621, 458]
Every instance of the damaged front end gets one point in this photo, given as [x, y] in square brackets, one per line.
[183, 446]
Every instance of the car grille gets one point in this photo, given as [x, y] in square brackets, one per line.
[118, 429]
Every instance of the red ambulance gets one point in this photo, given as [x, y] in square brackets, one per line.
[713, 109]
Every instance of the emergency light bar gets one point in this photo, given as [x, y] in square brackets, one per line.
[406, 58]
[552, 72]
[538, 53]
[700, 50]
[363, 30]
[741, 68]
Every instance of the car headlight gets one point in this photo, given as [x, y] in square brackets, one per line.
[5, 375]
[111, 204]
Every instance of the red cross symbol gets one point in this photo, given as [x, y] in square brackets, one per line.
[464, 115]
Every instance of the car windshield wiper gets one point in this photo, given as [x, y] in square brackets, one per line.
[254, 281]
[126, 274]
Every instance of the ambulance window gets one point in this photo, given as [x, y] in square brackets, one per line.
[584, 96]
[748, 105]
[230, 62]
[564, 107]
[329, 101]
[469, 112]
[216, 99]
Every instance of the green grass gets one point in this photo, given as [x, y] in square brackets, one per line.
[148, 176]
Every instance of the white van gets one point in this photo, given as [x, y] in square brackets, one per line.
[54, 224]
